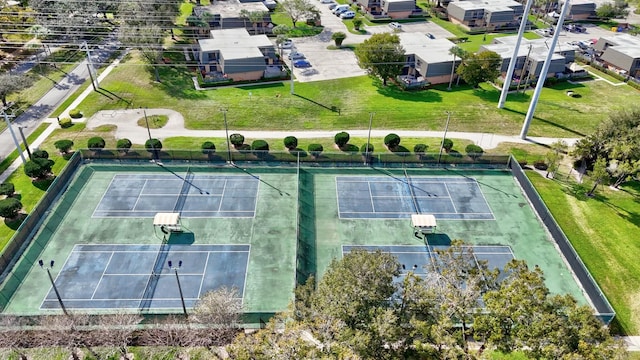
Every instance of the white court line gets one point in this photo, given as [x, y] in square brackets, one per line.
[102, 276]
[204, 271]
[246, 273]
[485, 200]
[450, 198]
[138, 198]
[103, 195]
[373, 206]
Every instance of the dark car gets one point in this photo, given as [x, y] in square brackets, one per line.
[301, 63]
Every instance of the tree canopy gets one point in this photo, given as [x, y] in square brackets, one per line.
[298, 9]
[11, 83]
[479, 67]
[382, 56]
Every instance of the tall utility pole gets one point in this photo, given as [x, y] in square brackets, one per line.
[13, 135]
[366, 151]
[175, 268]
[444, 136]
[291, 64]
[543, 72]
[514, 57]
[226, 130]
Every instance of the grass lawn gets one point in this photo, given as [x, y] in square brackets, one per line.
[601, 74]
[14, 155]
[604, 231]
[474, 110]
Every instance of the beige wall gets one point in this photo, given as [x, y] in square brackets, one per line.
[251, 75]
[399, 14]
[442, 79]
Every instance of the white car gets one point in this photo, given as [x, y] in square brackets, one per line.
[296, 56]
[287, 44]
[395, 26]
[326, 1]
[347, 15]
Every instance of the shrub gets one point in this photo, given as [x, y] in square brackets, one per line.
[65, 122]
[364, 150]
[357, 23]
[341, 139]
[38, 168]
[7, 189]
[338, 37]
[75, 114]
[474, 151]
[10, 208]
[447, 145]
[208, 147]
[392, 141]
[420, 149]
[96, 143]
[123, 145]
[39, 153]
[153, 145]
[315, 149]
[259, 145]
[290, 142]
[63, 145]
[236, 140]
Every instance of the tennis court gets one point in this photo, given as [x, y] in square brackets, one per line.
[192, 195]
[139, 277]
[396, 197]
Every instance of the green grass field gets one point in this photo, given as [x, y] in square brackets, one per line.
[604, 231]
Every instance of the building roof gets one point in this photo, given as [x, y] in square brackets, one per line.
[231, 8]
[429, 50]
[235, 43]
[503, 46]
[492, 6]
[624, 44]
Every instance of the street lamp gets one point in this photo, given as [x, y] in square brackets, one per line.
[24, 141]
[170, 263]
[55, 288]
[444, 136]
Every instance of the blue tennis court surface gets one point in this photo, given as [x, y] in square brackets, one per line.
[138, 276]
[189, 194]
[390, 197]
[419, 258]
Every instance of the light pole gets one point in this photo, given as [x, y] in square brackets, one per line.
[24, 140]
[144, 111]
[170, 263]
[444, 136]
[366, 151]
[55, 288]
[226, 130]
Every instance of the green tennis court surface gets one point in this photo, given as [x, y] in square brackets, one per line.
[259, 229]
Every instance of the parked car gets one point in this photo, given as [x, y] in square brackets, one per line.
[430, 36]
[332, 6]
[347, 15]
[302, 63]
[340, 9]
[296, 56]
[287, 44]
[395, 26]
[326, 1]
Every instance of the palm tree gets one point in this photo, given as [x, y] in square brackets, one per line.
[455, 51]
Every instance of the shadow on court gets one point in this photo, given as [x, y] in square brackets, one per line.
[181, 238]
[438, 239]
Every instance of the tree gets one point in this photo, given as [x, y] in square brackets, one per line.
[237, 140]
[297, 9]
[338, 37]
[116, 330]
[153, 146]
[599, 174]
[255, 17]
[392, 141]
[447, 145]
[96, 143]
[148, 39]
[613, 10]
[123, 145]
[341, 139]
[290, 142]
[38, 168]
[13, 337]
[40, 153]
[7, 189]
[481, 67]
[11, 83]
[63, 145]
[474, 151]
[66, 18]
[357, 22]
[315, 150]
[219, 311]
[456, 52]
[382, 56]
[10, 207]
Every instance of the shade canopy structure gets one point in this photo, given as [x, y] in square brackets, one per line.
[424, 223]
[169, 221]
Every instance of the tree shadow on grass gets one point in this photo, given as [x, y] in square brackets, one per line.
[350, 148]
[395, 92]
[298, 151]
[15, 223]
[177, 81]
[43, 184]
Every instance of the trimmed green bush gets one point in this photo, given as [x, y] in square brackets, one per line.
[10, 208]
[96, 143]
[38, 168]
[315, 149]
[291, 142]
[208, 147]
[39, 153]
[447, 145]
[65, 123]
[392, 141]
[123, 145]
[63, 145]
[259, 145]
[7, 189]
[540, 165]
[364, 151]
[474, 151]
[75, 114]
[341, 139]
[236, 140]
[420, 149]
[153, 145]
